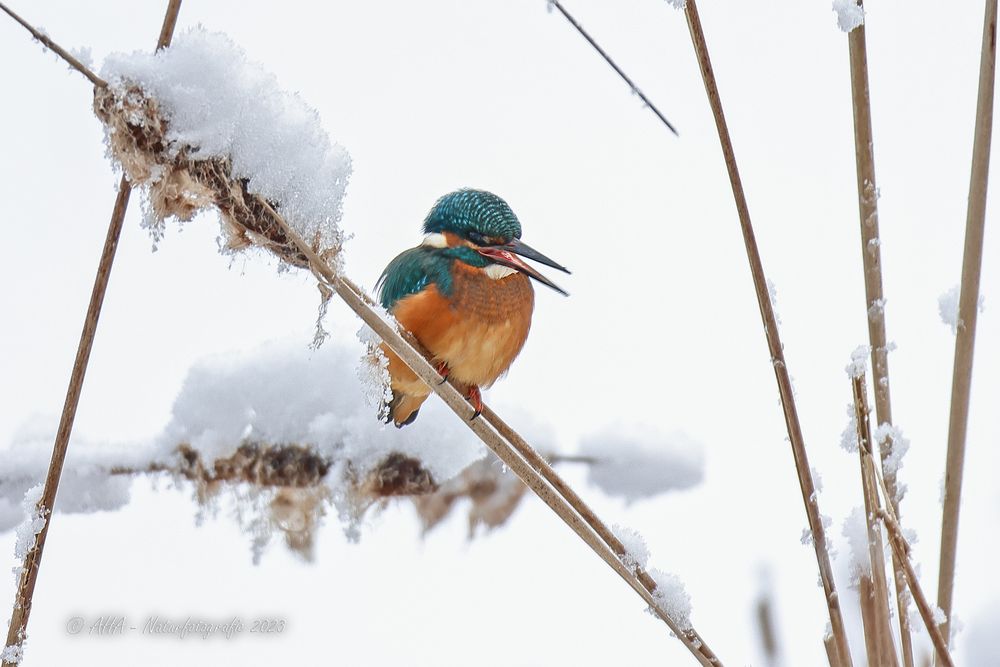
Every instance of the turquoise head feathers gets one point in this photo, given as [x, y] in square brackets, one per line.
[474, 227]
[475, 215]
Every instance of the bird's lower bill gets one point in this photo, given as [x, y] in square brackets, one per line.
[507, 258]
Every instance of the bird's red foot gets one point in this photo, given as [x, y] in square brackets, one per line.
[442, 370]
[476, 398]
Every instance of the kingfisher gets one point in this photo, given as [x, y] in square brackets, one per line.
[465, 294]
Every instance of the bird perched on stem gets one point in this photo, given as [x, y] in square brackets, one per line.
[465, 294]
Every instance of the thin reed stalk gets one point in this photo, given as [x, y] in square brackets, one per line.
[878, 633]
[869, 621]
[766, 628]
[968, 305]
[60, 51]
[544, 468]
[587, 526]
[17, 630]
[614, 65]
[871, 257]
[572, 513]
[832, 656]
[795, 437]
[541, 466]
[901, 549]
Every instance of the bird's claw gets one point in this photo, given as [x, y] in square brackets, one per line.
[442, 370]
[476, 398]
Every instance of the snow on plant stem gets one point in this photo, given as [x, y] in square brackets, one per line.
[849, 436]
[850, 14]
[217, 103]
[772, 294]
[12, 654]
[33, 524]
[855, 531]
[672, 597]
[25, 537]
[887, 433]
[636, 554]
[859, 361]
[670, 594]
[289, 394]
[948, 308]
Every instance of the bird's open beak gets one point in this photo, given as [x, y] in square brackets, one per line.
[507, 255]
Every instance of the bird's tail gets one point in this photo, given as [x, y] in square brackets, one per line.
[408, 392]
[403, 408]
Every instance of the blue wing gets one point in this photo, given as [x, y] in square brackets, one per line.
[411, 272]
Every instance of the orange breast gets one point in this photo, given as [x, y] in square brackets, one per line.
[479, 330]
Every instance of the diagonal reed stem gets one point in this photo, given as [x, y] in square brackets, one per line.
[773, 340]
[522, 460]
[614, 65]
[832, 655]
[537, 475]
[63, 53]
[878, 633]
[544, 468]
[901, 548]
[17, 630]
[965, 340]
[871, 257]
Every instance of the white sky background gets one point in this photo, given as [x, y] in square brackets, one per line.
[662, 326]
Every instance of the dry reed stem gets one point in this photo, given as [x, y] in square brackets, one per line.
[543, 467]
[830, 644]
[965, 339]
[869, 621]
[293, 475]
[614, 65]
[902, 550]
[17, 630]
[878, 633]
[871, 256]
[766, 628]
[773, 339]
[251, 219]
[454, 399]
[60, 51]
[493, 497]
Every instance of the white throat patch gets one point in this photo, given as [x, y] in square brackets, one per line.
[498, 271]
[435, 241]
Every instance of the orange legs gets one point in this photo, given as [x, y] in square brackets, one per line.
[442, 370]
[474, 397]
[472, 393]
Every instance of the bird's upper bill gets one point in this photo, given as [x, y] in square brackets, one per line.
[485, 223]
[506, 254]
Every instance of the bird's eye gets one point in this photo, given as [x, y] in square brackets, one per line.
[477, 238]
